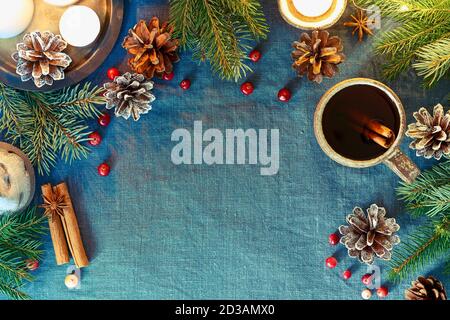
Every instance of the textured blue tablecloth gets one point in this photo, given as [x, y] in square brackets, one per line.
[159, 231]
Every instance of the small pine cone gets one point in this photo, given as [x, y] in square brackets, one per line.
[153, 49]
[431, 134]
[367, 237]
[426, 289]
[317, 55]
[40, 57]
[130, 95]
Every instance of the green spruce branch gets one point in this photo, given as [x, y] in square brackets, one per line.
[20, 235]
[421, 40]
[51, 124]
[219, 31]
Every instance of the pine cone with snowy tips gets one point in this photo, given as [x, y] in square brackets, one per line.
[431, 133]
[426, 289]
[153, 48]
[367, 237]
[40, 57]
[130, 95]
[317, 55]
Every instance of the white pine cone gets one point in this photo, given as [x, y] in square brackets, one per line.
[367, 237]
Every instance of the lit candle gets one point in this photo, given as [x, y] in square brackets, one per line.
[61, 3]
[79, 26]
[312, 14]
[15, 16]
[71, 281]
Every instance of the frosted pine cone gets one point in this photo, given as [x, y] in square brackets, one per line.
[428, 288]
[367, 237]
[40, 57]
[431, 134]
[130, 95]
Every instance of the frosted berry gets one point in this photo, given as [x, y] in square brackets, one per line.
[333, 239]
[347, 274]
[168, 76]
[104, 119]
[255, 55]
[284, 95]
[32, 264]
[331, 262]
[104, 169]
[382, 292]
[366, 279]
[366, 294]
[113, 73]
[247, 88]
[95, 139]
[185, 84]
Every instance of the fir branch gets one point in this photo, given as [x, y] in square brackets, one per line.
[13, 292]
[218, 31]
[426, 246]
[433, 61]
[51, 124]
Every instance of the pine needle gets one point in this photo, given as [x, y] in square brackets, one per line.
[49, 125]
[219, 31]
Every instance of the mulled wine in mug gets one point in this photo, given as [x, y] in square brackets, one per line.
[360, 123]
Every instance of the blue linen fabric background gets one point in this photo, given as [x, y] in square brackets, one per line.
[154, 230]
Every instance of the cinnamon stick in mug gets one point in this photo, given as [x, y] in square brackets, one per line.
[373, 125]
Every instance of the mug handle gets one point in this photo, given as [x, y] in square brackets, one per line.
[402, 166]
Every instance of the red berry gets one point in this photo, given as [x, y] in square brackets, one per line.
[104, 119]
[168, 76]
[113, 73]
[95, 139]
[367, 279]
[247, 88]
[185, 84]
[255, 55]
[32, 264]
[382, 292]
[284, 95]
[333, 239]
[104, 169]
[331, 262]
[347, 274]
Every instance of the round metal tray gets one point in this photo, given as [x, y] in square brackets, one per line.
[28, 166]
[84, 60]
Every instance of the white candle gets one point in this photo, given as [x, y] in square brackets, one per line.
[15, 16]
[312, 8]
[61, 3]
[79, 26]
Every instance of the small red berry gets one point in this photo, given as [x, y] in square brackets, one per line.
[333, 239]
[104, 119]
[284, 95]
[331, 262]
[347, 274]
[168, 76]
[32, 264]
[247, 88]
[366, 279]
[185, 84]
[382, 292]
[255, 55]
[113, 73]
[104, 169]
[95, 139]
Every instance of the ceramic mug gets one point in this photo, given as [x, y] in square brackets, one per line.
[393, 157]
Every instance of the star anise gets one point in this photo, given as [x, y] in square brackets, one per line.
[361, 24]
[54, 204]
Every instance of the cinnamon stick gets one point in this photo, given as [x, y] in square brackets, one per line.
[72, 230]
[373, 125]
[375, 137]
[56, 231]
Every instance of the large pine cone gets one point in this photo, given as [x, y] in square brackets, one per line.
[130, 95]
[431, 133]
[371, 236]
[426, 289]
[152, 47]
[40, 57]
[317, 55]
